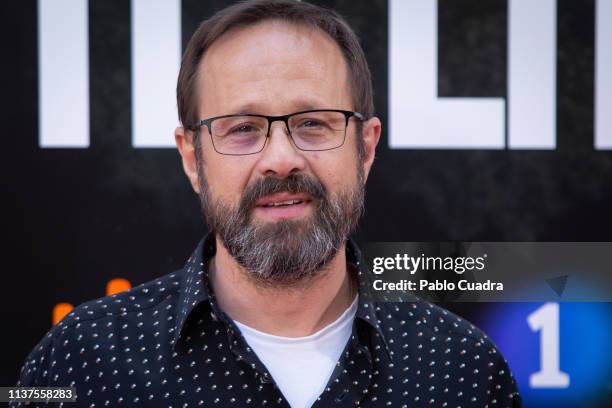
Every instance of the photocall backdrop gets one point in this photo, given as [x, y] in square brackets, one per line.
[496, 127]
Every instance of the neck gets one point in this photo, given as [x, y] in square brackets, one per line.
[295, 311]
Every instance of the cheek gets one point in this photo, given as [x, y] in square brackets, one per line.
[335, 169]
[227, 179]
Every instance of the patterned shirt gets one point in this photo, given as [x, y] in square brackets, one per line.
[166, 343]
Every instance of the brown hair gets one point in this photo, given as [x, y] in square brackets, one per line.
[254, 11]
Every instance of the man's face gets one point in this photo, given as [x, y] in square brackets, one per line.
[276, 68]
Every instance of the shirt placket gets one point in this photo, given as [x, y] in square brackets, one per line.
[268, 392]
[351, 379]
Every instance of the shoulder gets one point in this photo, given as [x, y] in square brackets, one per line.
[145, 301]
[436, 343]
[126, 304]
[431, 327]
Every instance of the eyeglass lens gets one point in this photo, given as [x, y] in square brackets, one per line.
[309, 131]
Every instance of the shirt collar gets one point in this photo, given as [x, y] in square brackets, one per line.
[195, 288]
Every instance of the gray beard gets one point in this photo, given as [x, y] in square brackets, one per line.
[287, 252]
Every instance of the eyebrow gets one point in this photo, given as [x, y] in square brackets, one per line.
[256, 109]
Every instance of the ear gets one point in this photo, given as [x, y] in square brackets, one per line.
[371, 135]
[186, 147]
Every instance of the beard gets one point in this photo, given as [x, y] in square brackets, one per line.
[284, 253]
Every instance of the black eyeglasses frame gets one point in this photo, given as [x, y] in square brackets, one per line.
[284, 118]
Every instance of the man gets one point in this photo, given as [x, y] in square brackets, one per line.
[272, 308]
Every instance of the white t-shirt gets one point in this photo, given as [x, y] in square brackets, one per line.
[302, 366]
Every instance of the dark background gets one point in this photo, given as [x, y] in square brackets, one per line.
[77, 218]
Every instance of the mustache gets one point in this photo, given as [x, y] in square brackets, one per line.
[294, 183]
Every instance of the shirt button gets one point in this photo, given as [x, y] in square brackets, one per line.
[341, 397]
[265, 379]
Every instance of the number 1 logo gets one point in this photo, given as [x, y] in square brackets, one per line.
[546, 320]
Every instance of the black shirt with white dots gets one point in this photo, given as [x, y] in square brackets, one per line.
[166, 343]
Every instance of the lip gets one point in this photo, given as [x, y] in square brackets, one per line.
[280, 197]
[263, 210]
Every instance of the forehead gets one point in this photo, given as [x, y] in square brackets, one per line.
[272, 62]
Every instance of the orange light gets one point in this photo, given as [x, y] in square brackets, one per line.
[60, 310]
[117, 285]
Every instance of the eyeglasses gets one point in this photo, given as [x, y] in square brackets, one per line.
[312, 130]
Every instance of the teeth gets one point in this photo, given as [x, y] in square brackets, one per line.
[282, 203]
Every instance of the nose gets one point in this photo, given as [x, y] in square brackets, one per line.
[280, 156]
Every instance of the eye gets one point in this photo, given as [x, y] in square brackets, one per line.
[311, 123]
[244, 128]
